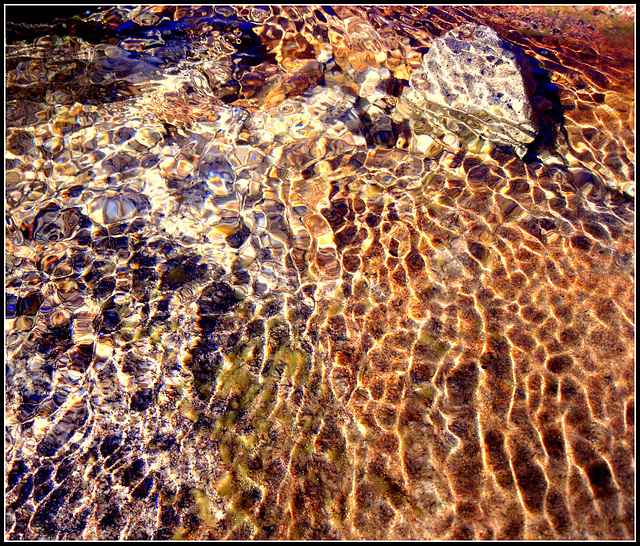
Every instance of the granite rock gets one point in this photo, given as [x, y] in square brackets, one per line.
[471, 75]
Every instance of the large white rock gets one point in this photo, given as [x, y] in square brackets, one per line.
[474, 77]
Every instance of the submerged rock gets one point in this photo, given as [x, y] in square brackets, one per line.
[476, 78]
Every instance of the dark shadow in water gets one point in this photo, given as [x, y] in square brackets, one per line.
[102, 80]
[29, 22]
[551, 122]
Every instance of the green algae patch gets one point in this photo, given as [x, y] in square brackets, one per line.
[335, 308]
[336, 304]
[339, 458]
[291, 358]
[203, 504]
[241, 354]
[226, 486]
[302, 377]
[229, 419]
[430, 348]
[389, 489]
[276, 321]
[206, 389]
[233, 449]
[180, 534]
[428, 392]
[434, 207]
[155, 335]
[187, 409]
[282, 415]
[249, 396]
[234, 380]
[267, 396]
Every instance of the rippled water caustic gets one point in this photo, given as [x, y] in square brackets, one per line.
[306, 272]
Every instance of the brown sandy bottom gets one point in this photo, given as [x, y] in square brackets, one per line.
[242, 306]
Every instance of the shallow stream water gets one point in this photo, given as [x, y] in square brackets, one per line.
[249, 294]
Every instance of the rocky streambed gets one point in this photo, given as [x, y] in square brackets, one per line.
[320, 273]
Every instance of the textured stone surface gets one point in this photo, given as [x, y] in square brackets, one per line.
[474, 76]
